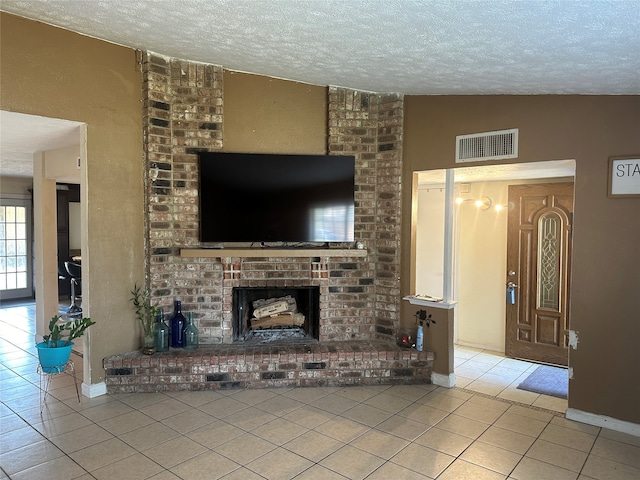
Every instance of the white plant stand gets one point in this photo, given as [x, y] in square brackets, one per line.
[46, 377]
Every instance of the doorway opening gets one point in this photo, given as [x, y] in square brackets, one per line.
[41, 152]
[69, 248]
[479, 245]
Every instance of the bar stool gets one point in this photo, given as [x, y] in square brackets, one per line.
[75, 272]
[63, 275]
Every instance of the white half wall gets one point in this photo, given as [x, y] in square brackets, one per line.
[430, 240]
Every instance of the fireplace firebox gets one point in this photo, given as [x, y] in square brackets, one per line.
[275, 314]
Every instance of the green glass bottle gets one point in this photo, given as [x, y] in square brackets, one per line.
[161, 332]
[191, 335]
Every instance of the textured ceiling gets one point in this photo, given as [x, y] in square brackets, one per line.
[404, 46]
[427, 47]
[22, 135]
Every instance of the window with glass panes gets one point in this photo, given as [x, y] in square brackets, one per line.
[13, 247]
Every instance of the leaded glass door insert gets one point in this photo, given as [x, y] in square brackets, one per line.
[549, 251]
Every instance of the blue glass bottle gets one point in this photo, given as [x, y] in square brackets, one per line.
[191, 334]
[176, 339]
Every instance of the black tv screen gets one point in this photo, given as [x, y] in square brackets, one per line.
[250, 197]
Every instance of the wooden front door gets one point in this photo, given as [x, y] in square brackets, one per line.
[538, 267]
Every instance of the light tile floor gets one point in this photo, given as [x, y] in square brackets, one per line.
[400, 432]
[493, 374]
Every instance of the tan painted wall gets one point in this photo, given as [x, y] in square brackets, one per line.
[436, 337]
[15, 185]
[268, 115]
[98, 83]
[61, 163]
[605, 302]
[55, 73]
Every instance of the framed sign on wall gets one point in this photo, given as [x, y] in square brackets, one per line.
[624, 176]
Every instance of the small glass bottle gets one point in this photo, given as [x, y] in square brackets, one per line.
[161, 332]
[176, 335]
[191, 335]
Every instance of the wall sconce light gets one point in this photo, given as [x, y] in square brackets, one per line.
[484, 203]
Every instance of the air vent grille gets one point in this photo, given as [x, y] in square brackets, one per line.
[478, 147]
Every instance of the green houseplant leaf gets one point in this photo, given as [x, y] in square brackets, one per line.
[144, 310]
[65, 331]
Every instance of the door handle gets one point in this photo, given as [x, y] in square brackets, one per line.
[511, 293]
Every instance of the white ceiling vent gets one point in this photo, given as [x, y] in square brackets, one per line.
[478, 147]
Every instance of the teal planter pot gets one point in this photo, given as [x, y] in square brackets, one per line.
[54, 359]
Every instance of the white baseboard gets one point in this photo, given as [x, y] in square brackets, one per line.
[603, 421]
[442, 380]
[94, 390]
[481, 346]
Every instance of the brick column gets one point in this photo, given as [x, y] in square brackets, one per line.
[369, 126]
[182, 114]
[388, 213]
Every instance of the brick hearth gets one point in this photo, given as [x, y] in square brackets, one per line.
[238, 366]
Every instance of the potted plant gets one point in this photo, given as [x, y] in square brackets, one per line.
[146, 314]
[55, 349]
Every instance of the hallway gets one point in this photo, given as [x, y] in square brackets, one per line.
[491, 373]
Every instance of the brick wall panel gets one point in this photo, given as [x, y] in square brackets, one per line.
[183, 111]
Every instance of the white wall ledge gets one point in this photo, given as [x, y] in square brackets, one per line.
[414, 300]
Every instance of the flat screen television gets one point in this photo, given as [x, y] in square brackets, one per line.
[252, 197]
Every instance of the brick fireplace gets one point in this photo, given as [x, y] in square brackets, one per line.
[358, 290]
[338, 284]
[304, 301]
[183, 113]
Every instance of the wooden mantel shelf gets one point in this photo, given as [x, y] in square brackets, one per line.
[271, 252]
